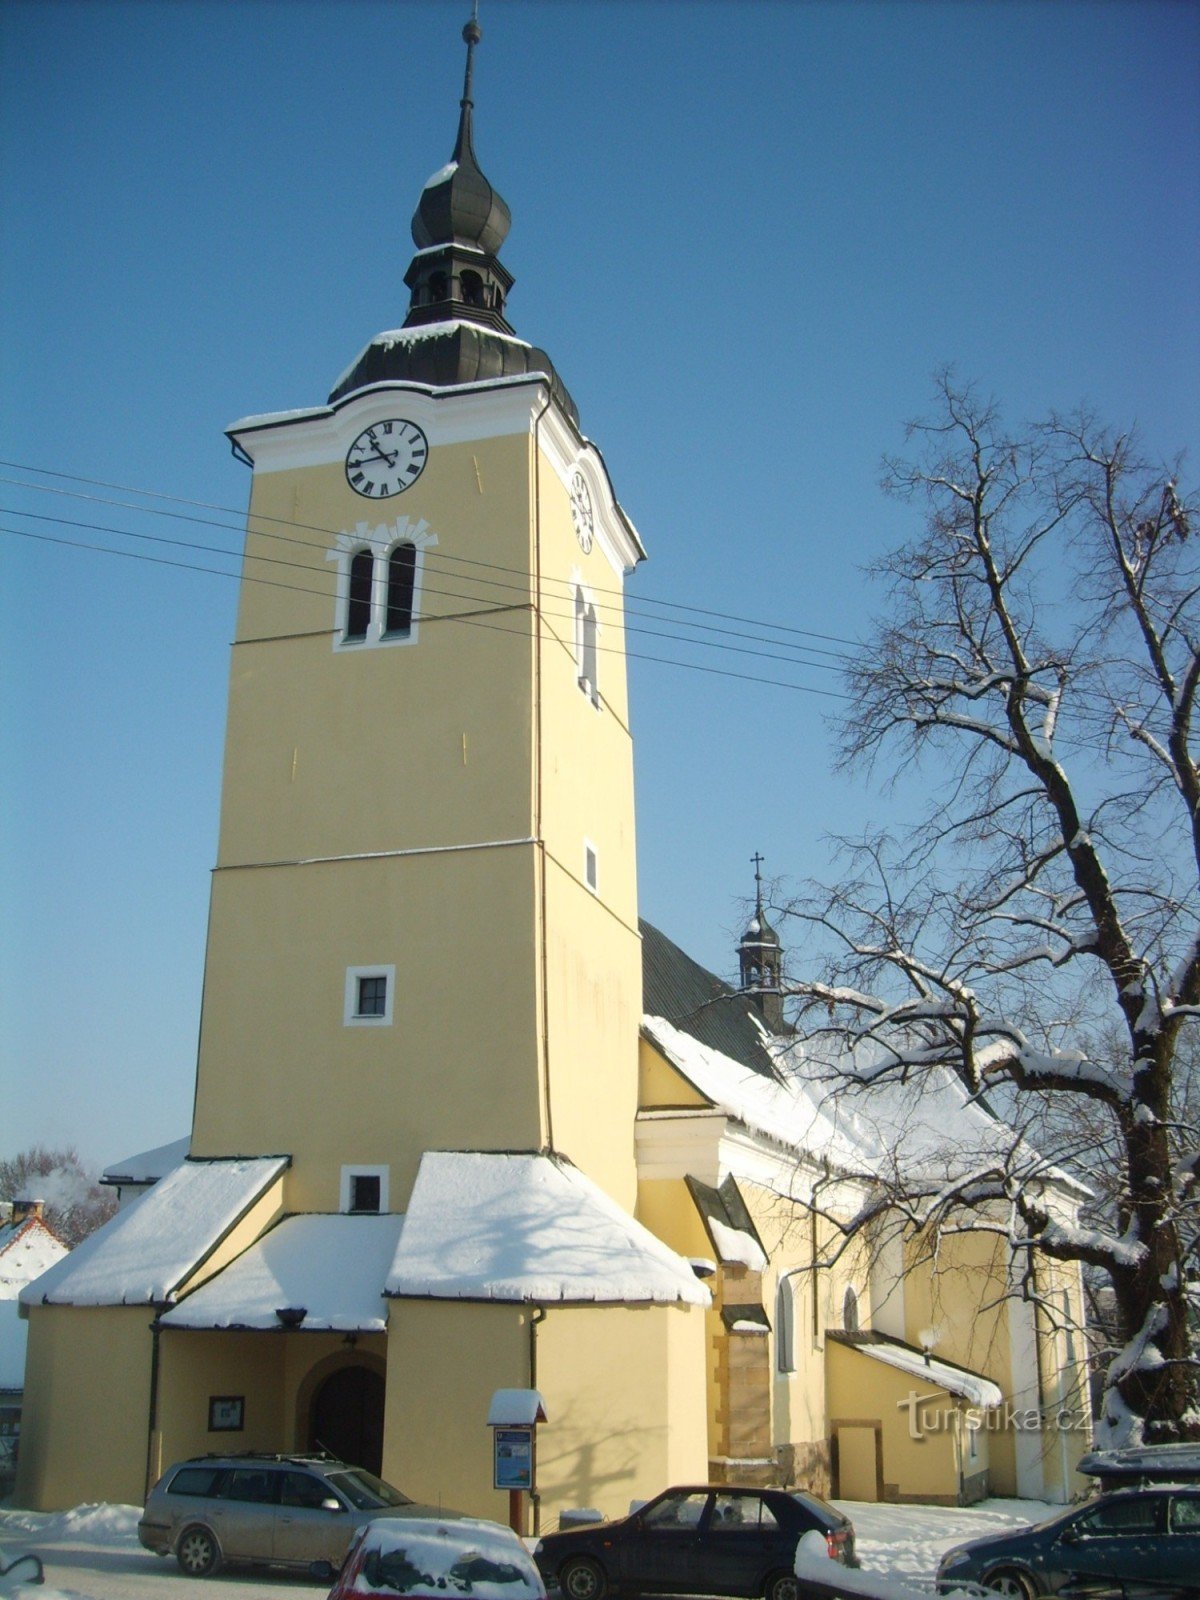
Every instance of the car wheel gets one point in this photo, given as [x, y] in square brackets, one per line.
[197, 1552]
[583, 1579]
[782, 1586]
[1013, 1584]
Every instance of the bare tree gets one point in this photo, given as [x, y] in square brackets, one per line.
[75, 1204]
[1039, 661]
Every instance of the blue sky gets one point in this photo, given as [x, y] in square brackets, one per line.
[747, 234]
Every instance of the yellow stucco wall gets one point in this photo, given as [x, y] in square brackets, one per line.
[87, 1406]
[864, 1391]
[625, 1393]
[623, 1387]
[458, 1065]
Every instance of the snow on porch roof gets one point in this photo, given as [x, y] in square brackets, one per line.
[972, 1386]
[486, 1226]
[143, 1254]
[332, 1266]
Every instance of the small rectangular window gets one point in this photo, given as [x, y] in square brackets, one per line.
[364, 1188]
[364, 1191]
[372, 997]
[589, 867]
[369, 996]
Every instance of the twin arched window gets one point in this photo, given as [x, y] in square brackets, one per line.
[384, 608]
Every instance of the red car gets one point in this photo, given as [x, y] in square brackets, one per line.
[426, 1560]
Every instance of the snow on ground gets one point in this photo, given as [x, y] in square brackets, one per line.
[903, 1542]
[909, 1541]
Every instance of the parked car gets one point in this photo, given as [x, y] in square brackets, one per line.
[1136, 1544]
[715, 1540]
[286, 1511]
[434, 1560]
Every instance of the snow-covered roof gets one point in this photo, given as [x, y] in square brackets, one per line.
[862, 1124]
[332, 1265]
[148, 1166]
[484, 1226]
[972, 1386]
[27, 1249]
[143, 1254]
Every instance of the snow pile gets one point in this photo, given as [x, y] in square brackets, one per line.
[143, 1254]
[334, 1266]
[91, 1524]
[528, 1228]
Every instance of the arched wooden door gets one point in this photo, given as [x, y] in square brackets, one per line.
[346, 1417]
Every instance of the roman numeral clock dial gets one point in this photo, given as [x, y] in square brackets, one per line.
[386, 458]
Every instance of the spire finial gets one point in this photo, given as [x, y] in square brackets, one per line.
[472, 33]
[757, 861]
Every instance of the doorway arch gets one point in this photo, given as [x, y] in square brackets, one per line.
[345, 1413]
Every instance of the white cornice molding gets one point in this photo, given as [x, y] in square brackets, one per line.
[282, 441]
[710, 1145]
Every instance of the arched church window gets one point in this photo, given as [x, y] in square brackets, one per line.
[401, 583]
[785, 1327]
[586, 647]
[358, 605]
[439, 287]
[850, 1311]
[472, 289]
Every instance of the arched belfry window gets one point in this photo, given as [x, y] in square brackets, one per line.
[785, 1327]
[358, 605]
[850, 1311]
[401, 583]
[472, 289]
[586, 646]
[378, 589]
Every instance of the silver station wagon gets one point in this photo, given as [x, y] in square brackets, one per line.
[285, 1511]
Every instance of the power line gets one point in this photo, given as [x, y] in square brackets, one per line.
[447, 594]
[330, 533]
[470, 621]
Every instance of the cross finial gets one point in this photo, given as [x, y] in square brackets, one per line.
[758, 860]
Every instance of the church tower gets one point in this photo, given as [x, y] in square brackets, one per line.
[423, 932]
[411, 1182]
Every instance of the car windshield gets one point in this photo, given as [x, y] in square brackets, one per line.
[366, 1492]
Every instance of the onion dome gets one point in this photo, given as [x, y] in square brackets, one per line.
[455, 331]
[458, 205]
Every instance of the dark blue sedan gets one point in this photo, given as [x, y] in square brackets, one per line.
[1138, 1544]
[711, 1540]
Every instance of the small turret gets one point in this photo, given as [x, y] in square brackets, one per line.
[760, 958]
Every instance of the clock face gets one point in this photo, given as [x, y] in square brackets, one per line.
[581, 512]
[386, 458]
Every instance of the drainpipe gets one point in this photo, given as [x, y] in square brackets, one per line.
[543, 952]
[151, 1475]
[535, 1499]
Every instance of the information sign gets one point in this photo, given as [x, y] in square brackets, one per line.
[513, 1458]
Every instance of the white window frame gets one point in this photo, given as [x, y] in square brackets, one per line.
[587, 635]
[362, 1169]
[380, 541]
[785, 1326]
[591, 867]
[351, 1016]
